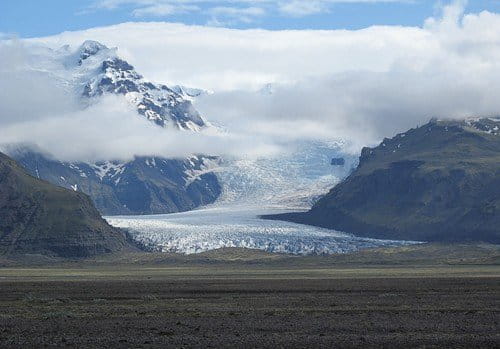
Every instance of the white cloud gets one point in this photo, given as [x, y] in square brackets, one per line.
[228, 59]
[227, 15]
[236, 9]
[357, 85]
[110, 129]
[301, 8]
[161, 10]
[37, 109]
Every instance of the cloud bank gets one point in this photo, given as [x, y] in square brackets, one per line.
[359, 86]
[37, 110]
[110, 129]
[222, 59]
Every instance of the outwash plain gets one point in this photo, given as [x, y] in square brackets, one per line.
[428, 296]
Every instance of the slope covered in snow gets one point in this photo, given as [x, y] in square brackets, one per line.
[94, 69]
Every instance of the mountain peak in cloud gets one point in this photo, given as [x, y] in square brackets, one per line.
[94, 70]
[359, 85]
[89, 48]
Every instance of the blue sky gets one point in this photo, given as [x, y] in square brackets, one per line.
[32, 18]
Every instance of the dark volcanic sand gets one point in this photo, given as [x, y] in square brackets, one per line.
[274, 313]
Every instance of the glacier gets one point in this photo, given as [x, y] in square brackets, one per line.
[239, 226]
[251, 188]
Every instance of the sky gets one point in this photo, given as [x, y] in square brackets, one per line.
[357, 85]
[34, 18]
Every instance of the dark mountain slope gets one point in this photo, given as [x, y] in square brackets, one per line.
[438, 182]
[37, 217]
[145, 185]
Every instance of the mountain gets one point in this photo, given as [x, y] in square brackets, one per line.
[40, 218]
[145, 185]
[100, 71]
[437, 182]
[190, 93]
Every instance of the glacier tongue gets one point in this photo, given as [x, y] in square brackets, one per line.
[239, 226]
[253, 187]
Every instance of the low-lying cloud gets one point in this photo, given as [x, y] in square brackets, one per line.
[358, 86]
[360, 107]
[111, 129]
[38, 112]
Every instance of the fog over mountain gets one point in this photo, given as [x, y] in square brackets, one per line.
[50, 99]
[359, 86]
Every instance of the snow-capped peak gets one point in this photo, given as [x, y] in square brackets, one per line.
[89, 48]
[93, 70]
[190, 93]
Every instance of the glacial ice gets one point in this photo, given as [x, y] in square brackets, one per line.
[253, 187]
[239, 226]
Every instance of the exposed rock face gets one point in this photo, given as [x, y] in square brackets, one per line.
[438, 182]
[142, 186]
[338, 162]
[37, 217]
